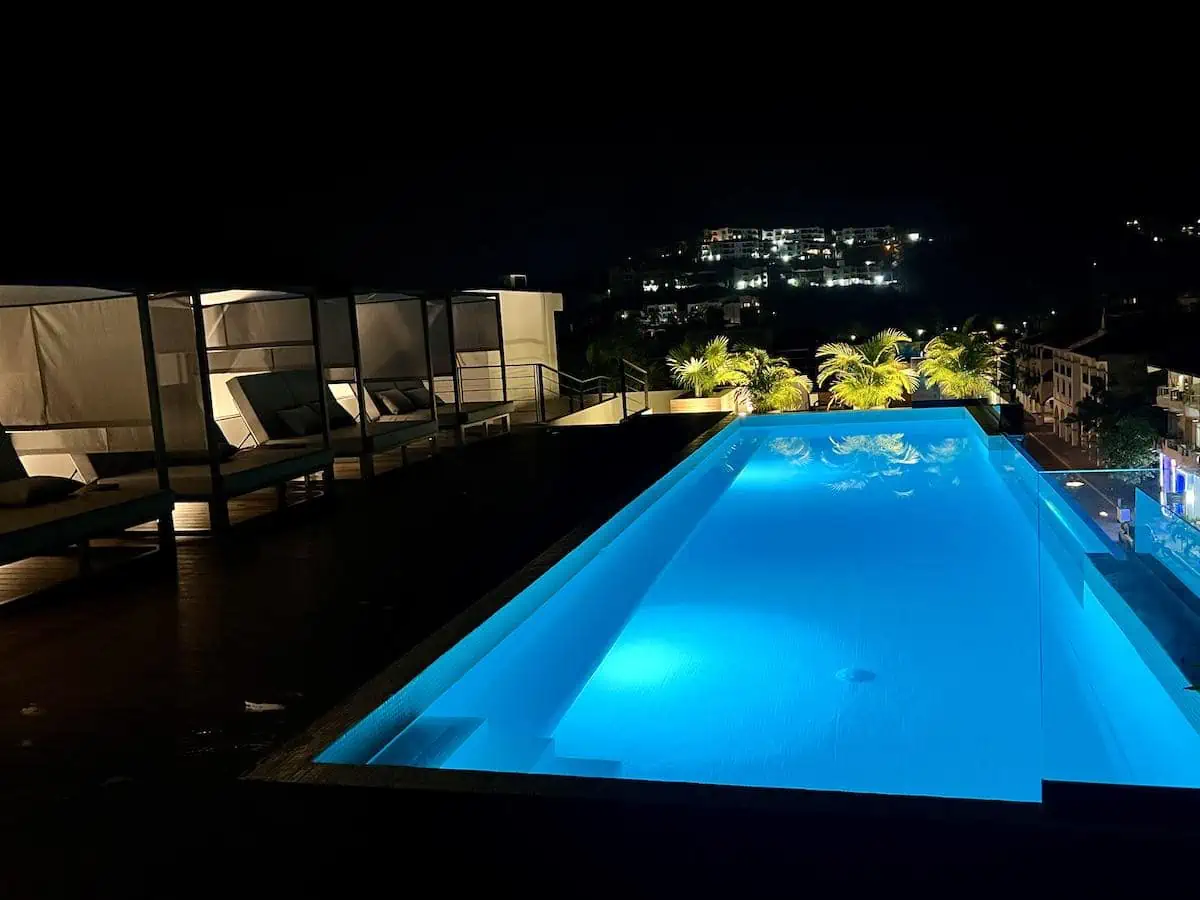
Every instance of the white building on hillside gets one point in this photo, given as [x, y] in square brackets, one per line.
[730, 250]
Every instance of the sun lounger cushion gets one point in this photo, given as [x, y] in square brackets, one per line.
[419, 396]
[36, 490]
[396, 402]
[35, 530]
[338, 417]
[302, 420]
[250, 470]
[261, 398]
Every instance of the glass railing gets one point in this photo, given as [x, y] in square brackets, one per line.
[1119, 591]
[1169, 539]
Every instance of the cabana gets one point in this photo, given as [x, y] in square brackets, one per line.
[199, 342]
[375, 348]
[467, 348]
[76, 379]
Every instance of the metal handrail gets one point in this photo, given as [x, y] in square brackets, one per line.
[626, 378]
[548, 383]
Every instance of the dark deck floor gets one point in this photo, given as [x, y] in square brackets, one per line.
[147, 677]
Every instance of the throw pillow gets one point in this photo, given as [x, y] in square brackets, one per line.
[419, 397]
[301, 420]
[338, 417]
[396, 402]
[37, 489]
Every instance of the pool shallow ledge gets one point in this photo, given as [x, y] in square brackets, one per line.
[364, 724]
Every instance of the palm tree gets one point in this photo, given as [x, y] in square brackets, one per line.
[868, 375]
[711, 368]
[766, 383]
[963, 363]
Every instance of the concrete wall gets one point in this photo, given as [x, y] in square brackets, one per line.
[609, 412]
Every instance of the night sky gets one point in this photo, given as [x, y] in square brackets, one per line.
[560, 211]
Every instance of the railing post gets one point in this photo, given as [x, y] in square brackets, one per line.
[624, 396]
[540, 395]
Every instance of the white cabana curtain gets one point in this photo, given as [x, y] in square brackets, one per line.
[392, 340]
[475, 324]
[243, 336]
[75, 367]
[179, 391]
[22, 401]
[337, 346]
[258, 323]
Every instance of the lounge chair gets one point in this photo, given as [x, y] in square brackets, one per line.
[280, 411]
[469, 414]
[46, 528]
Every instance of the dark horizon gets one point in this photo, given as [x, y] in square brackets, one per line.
[561, 213]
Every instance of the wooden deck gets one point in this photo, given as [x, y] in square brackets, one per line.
[147, 674]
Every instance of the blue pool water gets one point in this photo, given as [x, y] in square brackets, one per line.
[849, 602]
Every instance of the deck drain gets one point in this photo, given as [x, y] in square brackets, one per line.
[850, 674]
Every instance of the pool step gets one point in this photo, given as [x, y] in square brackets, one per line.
[427, 742]
[552, 764]
[489, 749]
[1171, 580]
[1160, 605]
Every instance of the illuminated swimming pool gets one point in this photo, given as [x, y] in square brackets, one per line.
[887, 602]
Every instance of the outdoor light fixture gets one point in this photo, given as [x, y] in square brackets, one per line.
[1103, 513]
[914, 236]
[920, 331]
[1053, 313]
[853, 337]
[999, 326]
[1074, 484]
[879, 279]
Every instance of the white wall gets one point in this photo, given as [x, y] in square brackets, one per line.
[609, 412]
[530, 336]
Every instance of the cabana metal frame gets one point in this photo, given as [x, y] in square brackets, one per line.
[60, 398]
[391, 355]
[208, 477]
[467, 331]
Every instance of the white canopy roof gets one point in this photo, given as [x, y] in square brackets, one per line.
[36, 295]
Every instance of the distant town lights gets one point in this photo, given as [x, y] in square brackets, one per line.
[879, 279]
[741, 284]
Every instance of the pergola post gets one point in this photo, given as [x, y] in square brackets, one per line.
[314, 308]
[366, 463]
[218, 507]
[166, 525]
